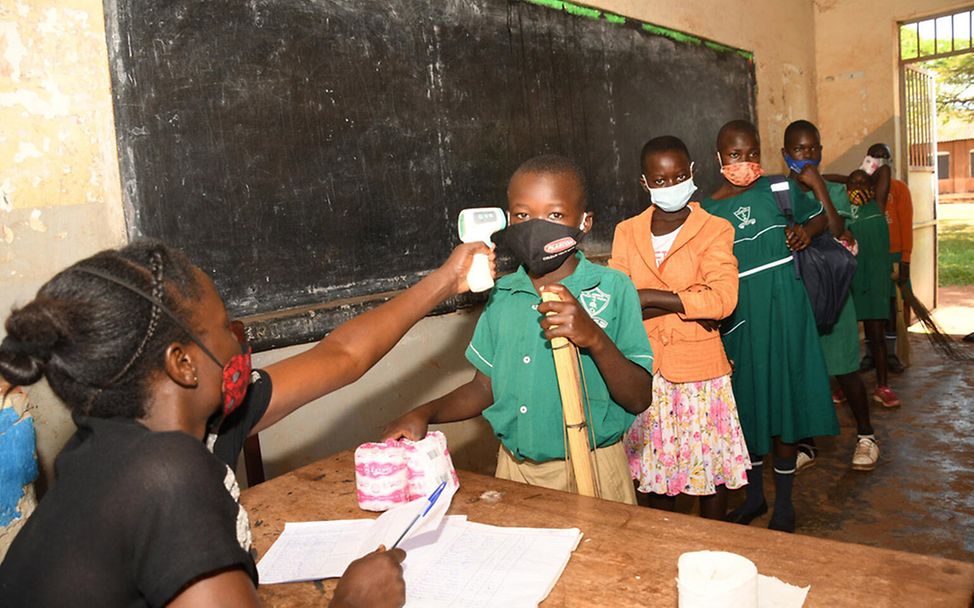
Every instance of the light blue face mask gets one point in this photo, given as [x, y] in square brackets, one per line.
[673, 198]
[798, 165]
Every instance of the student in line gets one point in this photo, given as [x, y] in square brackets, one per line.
[681, 259]
[780, 382]
[899, 215]
[872, 287]
[137, 344]
[515, 386]
[840, 344]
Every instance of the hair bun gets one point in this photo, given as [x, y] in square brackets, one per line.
[33, 333]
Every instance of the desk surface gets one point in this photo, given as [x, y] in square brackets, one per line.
[628, 555]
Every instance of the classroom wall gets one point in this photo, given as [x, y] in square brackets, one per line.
[60, 198]
[857, 63]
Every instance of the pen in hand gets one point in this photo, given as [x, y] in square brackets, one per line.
[432, 501]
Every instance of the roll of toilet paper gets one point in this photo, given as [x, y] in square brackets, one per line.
[717, 579]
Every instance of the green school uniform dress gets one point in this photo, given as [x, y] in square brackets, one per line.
[779, 378]
[840, 345]
[508, 345]
[871, 287]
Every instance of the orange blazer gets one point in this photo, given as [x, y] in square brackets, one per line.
[702, 270]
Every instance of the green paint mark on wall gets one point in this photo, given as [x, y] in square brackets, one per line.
[555, 4]
[582, 11]
[657, 30]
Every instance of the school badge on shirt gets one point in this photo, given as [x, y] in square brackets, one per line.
[595, 301]
[744, 214]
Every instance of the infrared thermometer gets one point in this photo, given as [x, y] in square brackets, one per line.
[479, 225]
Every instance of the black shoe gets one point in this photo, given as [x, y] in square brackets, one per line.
[969, 337]
[894, 364]
[740, 516]
[782, 523]
[866, 364]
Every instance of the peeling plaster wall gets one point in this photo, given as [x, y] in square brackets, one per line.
[59, 188]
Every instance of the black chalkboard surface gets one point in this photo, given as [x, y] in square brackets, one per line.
[305, 152]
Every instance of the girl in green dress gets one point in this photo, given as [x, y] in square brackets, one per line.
[779, 377]
[840, 343]
[872, 288]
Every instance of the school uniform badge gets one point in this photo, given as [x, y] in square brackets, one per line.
[744, 214]
[594, 301]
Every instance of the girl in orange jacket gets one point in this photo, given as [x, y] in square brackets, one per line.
[681, 260]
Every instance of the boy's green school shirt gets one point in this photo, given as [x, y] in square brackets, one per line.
[508, 346]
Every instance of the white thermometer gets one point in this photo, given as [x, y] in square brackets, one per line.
[475, 225]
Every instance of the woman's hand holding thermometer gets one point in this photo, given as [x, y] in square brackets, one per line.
[475, 225]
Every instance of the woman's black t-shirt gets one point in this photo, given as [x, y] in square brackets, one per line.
[135, 516]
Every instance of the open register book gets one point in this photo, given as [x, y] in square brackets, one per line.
[452, 562]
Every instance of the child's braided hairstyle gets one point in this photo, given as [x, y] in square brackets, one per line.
[97, 343]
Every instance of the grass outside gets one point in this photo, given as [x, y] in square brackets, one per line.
[956, 255]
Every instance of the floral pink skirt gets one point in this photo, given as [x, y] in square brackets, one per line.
[689, 441]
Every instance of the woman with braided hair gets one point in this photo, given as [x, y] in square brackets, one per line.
[137, 344]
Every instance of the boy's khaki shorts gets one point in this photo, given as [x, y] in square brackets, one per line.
[612, 473]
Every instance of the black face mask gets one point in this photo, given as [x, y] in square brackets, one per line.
[540, 245]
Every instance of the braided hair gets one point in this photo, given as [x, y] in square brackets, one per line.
[98, 343]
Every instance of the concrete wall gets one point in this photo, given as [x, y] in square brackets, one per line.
[59, 187]
[858, 79]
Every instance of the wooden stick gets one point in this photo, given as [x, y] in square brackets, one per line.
[576, 425]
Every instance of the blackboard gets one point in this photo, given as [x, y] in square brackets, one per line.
[310, 154]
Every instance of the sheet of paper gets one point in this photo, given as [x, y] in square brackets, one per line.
[480, 566]
[313, 550]
[391, 524]
[775, 593]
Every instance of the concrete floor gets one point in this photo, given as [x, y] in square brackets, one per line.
[921, 496]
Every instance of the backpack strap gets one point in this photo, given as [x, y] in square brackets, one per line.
[782, 194]
[781, 189]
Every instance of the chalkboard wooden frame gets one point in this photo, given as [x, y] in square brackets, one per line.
[312, 155]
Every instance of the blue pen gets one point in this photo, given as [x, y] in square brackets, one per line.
[432, 499]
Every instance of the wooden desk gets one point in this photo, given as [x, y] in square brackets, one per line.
[628, 555]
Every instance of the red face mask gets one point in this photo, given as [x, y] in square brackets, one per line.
[741, 174]
[236, 373]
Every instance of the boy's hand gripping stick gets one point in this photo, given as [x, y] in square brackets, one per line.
[478, 225]
[576, 424]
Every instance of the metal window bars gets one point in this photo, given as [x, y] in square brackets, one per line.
[921, 119]
[942, 35]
